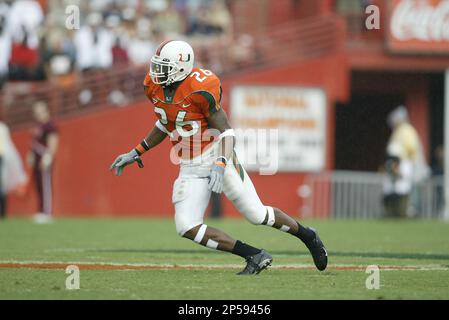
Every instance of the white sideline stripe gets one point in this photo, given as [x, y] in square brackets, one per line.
[238, 266]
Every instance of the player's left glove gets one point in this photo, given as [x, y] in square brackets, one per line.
[217, 175]
[126, 159]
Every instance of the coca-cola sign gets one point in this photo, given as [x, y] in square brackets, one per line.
[418, 26]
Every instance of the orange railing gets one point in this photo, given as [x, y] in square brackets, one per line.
[86, 93]
[296, 40]
[307, 38]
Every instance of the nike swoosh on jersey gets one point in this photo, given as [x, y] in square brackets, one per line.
[186, 106]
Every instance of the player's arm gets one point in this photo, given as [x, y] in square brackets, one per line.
[154, 137]
[219, 121]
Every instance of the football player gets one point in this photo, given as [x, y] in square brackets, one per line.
[187, 103]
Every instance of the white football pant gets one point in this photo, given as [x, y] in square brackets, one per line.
[191, 194]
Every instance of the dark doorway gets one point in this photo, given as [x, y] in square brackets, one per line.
[362, 132]
[436, 103]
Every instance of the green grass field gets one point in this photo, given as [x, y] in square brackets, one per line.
[146, 259]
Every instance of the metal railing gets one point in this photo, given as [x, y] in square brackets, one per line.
[358, 195]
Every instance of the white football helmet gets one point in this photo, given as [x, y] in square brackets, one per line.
[172, 62]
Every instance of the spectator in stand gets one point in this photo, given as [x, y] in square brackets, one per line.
[119, 53]
[59, 62]
[182, 6]
[114, 32]
[93, 44]
[24, 62]
[211, 19]
[113, 9]
[5, 43]
[141, 46]
[25, 18]
[157, 6]
[169, 21]
[58, 52]
[198, 23]
[220, 18]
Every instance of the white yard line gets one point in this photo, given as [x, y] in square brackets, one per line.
[142, 266]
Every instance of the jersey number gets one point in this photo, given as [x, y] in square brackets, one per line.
[198, 76]
[180, 123]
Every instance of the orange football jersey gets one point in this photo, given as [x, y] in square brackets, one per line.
[183, 109]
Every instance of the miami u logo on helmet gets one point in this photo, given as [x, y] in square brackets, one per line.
[184, 60]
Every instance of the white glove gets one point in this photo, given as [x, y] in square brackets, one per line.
[126, 159]
[217, 177]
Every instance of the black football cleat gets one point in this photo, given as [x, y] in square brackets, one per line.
[317, 250]
[256, 263]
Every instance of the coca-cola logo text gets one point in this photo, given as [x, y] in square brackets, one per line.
[420, 20]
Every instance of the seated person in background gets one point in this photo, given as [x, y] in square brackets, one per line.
[58, 62]
[93, 44]
[24, 61]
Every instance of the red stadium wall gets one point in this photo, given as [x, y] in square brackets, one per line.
[83, 184]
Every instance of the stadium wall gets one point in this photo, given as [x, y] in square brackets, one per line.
[84, 186]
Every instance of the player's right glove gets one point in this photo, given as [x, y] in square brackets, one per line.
[123, 160]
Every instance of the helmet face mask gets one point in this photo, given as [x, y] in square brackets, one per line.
[172, 62]
[162, 72]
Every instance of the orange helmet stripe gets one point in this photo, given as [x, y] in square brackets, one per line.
[158, 51]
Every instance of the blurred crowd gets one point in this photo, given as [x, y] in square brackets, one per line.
[36, 44]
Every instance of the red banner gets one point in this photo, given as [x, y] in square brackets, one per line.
[418, 26]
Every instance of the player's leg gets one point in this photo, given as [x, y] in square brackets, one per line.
[284, 222]
[191, 197]
[240, 190]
